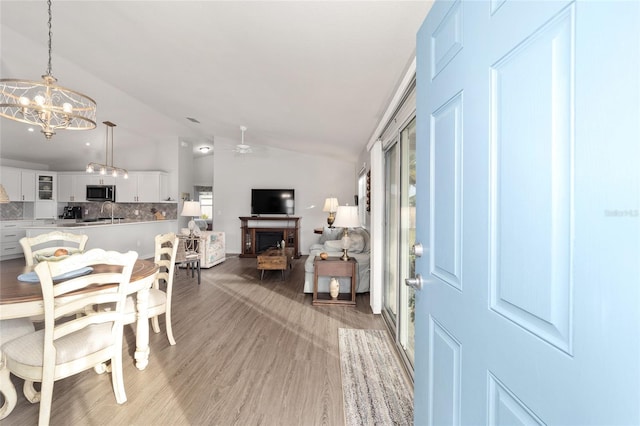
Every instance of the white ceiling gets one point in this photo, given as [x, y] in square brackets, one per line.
[308, 76]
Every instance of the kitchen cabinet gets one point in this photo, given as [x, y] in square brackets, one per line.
[96, 180]
[28, 185]
[20, 184]
[10, 179]
[67, 188]
[45, 209]
[11, 231]
[72, 186]
[46, 186]
[142, 187]
[46, 192]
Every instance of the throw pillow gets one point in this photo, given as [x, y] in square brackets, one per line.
[333, 245]
[357, 242]
[330, 234]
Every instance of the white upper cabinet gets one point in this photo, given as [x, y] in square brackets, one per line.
[66, 188]
[11, 180]
[88, 179]
[142, 187]
[46, 193]
[46, 186]
[20, 184]
[28, 185]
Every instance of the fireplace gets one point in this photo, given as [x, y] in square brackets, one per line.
[267, 239]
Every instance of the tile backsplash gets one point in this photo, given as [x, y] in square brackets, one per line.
[90, 210]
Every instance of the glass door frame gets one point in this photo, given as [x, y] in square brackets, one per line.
[398, 322]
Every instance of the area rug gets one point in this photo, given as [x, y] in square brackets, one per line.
[374, 387]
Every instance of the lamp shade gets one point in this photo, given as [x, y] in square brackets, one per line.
[347, 217]
[191, 208]
[330, 205]
[4, 197]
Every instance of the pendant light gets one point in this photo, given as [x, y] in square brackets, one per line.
[45, 104]
[107, 168]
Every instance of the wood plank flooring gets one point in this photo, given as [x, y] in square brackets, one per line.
[248, 352]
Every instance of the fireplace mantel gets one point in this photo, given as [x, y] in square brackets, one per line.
[253, 226]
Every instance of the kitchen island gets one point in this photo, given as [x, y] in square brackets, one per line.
[121, 235]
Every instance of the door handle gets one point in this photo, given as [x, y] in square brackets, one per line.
[417, 250]
[415, 283]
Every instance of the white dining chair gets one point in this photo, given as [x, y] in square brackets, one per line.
[42, 246]
[159, 301]
[10, 329]
[65, 348]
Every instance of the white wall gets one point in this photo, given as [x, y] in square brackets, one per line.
[203, 174]
[313, 178]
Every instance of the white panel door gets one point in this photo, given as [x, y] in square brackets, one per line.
[529, 210]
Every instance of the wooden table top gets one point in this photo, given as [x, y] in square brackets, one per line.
[272, 252]
[14, 291]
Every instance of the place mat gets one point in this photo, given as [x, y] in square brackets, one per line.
[374, 387]
[32, 277]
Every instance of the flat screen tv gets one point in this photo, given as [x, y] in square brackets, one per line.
[272, 201]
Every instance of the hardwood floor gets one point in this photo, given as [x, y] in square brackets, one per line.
[248, 352]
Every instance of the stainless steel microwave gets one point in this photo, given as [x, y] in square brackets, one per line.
[101, 193]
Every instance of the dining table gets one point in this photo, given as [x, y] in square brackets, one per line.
[19, 299]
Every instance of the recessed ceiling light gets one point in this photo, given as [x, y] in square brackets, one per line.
[87, 143]
[30, 129]
[204, 149]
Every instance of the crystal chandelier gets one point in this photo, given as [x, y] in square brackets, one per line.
[45, 104]
[106, 168]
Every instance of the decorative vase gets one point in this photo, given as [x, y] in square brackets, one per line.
[334, 288]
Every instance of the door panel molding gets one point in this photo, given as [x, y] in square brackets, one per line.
[505, 408]
[444, 376]
[532, 177]
[446, 40]
[446, 191]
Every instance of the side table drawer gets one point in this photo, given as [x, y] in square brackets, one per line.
[340, 269]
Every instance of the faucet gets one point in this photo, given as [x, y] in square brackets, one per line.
[102, 209]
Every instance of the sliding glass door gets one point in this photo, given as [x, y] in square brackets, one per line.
[392, 226]
[400, 202]
[407, 238]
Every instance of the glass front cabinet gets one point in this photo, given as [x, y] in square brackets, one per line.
[45, 205]
[46, 187]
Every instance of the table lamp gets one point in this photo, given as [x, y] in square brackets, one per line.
[331, 206]
[192, 209]
[346, 217]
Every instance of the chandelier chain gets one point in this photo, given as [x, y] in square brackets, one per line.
[45, 104]
[50, 37]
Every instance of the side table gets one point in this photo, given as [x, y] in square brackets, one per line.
[188, 253]
[334, 267]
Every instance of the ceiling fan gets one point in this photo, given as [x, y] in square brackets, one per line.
[243, 148]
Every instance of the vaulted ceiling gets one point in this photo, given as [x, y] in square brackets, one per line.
[308, 76]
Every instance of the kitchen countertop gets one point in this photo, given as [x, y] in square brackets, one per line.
[97, 223]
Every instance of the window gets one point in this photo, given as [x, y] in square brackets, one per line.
[206, 203]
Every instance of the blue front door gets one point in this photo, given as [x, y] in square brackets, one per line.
[528, 159]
